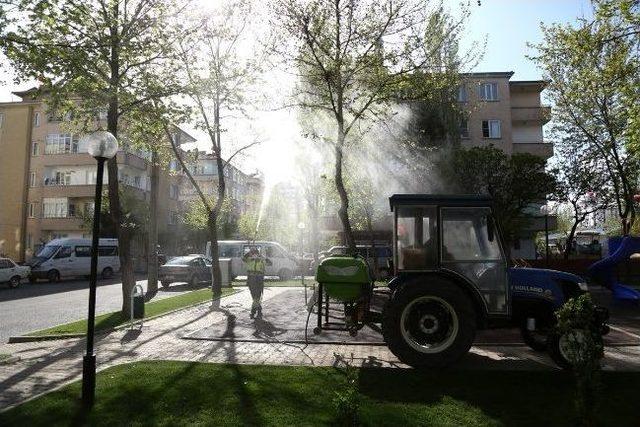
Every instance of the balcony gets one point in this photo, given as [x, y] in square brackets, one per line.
[531, 114]
[540, 149]
[54, 189]
[131, 160]
[68, 223]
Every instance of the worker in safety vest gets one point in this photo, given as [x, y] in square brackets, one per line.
[255, 264]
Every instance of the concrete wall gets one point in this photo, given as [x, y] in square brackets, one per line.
[527, 133]
[15, 135]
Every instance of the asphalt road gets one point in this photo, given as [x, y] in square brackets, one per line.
[42, 305]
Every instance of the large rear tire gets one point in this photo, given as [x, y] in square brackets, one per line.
[429, 324]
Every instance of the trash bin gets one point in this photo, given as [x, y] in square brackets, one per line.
[225, 268]
[137, 303]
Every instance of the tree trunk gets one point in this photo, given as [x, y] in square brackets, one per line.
[343, 212]
[570, 237]
[124, 237]
[152, 263]
[216, 274]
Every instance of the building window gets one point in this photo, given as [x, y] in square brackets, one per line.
[71, 210]
[36, 120]
[32, 210]
[54, 208]
[91, 176]
[173, 191]
[464, 128]
[173, 218]
[491, 129]
[489, 91]
[62, 178]
[1, 120]
[462, 93]
[61, 143]
[32, 179]
[34, 148]
[29, 241]
[136, 181]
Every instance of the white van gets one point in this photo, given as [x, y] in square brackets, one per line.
[282, 265]
[70, 257]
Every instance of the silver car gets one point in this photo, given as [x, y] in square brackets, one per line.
[12, 273]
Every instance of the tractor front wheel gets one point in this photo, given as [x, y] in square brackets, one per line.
[537, 339]
[429, 325]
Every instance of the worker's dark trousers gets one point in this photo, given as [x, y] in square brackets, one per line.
[255, 282]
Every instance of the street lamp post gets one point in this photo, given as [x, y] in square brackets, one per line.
[302, 264]
[102, 146]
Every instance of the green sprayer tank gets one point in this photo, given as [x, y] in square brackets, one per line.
[345, 278]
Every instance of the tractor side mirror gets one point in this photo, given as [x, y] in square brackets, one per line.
[491, 228]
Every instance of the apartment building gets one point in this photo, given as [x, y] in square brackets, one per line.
[47, 179]
[238, 185]
[508, 114]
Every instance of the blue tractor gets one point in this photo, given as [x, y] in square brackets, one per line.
[452, 277]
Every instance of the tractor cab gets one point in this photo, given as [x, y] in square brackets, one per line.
[455, 237]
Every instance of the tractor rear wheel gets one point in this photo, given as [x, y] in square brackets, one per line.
[429, 324]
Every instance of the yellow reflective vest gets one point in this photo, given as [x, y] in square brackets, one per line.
[255, 265]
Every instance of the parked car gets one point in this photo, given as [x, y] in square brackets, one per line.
[282, 265]
[193, 269]
[71, 257]
[12, 273]
[382, 254]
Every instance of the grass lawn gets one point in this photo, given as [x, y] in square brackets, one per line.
[152, 308]
[180, 393]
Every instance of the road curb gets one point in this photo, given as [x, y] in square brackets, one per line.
[35, 338]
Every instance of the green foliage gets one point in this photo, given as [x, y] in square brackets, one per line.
[196, 216]
[593, 68]
[578, 325]
[351, 71]
[581, 186]
[135, 214]
[279, 219]
[514, 182]
[347, 400]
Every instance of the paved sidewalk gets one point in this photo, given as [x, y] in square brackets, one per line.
[44, 366]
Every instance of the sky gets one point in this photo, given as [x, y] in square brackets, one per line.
[507, 26]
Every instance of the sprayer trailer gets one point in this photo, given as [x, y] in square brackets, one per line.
[451, 277]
